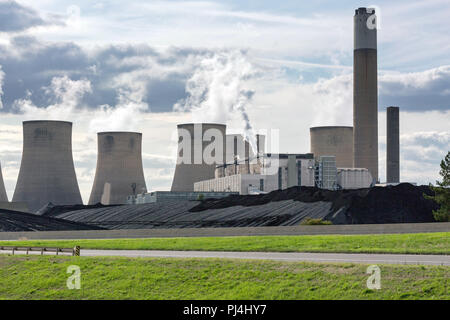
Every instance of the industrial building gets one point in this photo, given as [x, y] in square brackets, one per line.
[258, 175]
[333, 140]
[365, 92]
[194, 141]
[353, 178]
[119, 170]
[212, 164]
[47, 173]
[392, 145]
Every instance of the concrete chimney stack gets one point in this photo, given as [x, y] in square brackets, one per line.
[119, 170]
[392, 145]
[365, 92]
[47, 173]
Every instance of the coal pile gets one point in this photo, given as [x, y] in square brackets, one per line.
[175, 214]
[20, 221]
[51, 210]
[403, 203]
[391, 204]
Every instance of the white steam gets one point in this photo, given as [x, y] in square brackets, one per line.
[217, 91]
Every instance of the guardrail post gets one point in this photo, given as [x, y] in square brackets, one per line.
[76, 251]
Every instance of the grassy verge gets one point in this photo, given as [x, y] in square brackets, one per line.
[36, 277]
[425, 243]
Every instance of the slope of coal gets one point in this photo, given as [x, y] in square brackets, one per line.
[175, 214]
[52, 210]
[21, 221]
[391, 204]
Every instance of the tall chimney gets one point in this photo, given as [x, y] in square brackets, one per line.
[392, 145]
[365, 92]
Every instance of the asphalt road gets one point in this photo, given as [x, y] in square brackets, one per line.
[443, 260]
[278, 256]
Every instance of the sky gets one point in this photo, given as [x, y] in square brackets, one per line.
[149, 65]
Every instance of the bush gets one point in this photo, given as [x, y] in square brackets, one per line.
[201, 197]
[442, 192]
[441, 216]
[313, 222]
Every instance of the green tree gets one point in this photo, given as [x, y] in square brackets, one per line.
[442, 192]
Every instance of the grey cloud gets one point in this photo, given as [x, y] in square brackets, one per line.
[30, 64]
[420, 91]
[15, 17]
[428, 147]
[33, 65]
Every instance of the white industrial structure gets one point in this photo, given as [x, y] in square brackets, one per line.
[353, 178]
[261, 174]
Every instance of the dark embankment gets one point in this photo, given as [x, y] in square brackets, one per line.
[391, 204]
[20, 221]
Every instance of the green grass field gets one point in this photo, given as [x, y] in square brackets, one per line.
[44, 277]
[425, 243]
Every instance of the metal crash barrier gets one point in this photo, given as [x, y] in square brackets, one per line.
[75, 251]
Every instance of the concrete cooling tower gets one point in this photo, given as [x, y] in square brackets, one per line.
[392, 145]
[333, 141]
[47, 173]
[119, 171]
[236, 146]
[195, 140]
[3, 195]
[365, 92]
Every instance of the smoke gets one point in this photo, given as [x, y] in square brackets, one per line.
[216, 91]
[2, 76]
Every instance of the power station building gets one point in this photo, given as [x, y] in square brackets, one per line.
[119, 171]
[333, 140]
[261, 174]
[201, 147]
[47, 172]
[365, 92]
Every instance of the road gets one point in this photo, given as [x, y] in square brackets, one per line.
[443, 260]
[278, 256]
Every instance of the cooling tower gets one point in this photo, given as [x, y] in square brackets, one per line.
[119, 171]
[261, 143]
[47, 173]
[3, 195]
[392, 145]
[236, 146]
[365, 92]
[333, 141]
[195, 140]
